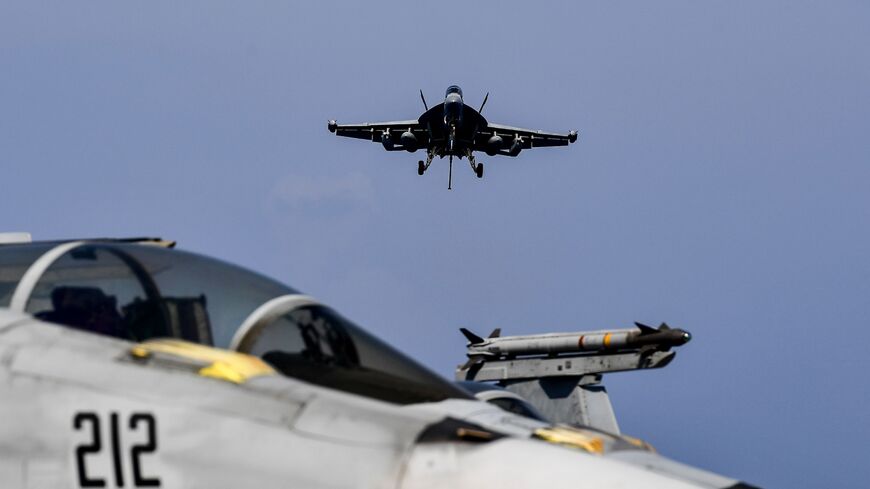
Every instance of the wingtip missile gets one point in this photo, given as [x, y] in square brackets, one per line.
[585, 342]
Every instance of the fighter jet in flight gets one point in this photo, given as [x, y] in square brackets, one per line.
[450, 129]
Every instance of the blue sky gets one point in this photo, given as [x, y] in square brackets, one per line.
[720, 184]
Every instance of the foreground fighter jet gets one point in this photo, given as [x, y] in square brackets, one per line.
[452, 128]
[129, 364]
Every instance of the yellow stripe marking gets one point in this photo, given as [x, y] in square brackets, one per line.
[209, 362]
[607, 340]
[571, 437]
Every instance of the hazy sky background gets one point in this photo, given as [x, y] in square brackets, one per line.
[720, 184]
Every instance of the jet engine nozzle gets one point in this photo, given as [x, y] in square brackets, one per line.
[494, 145]
[572, 136]
[409, 141]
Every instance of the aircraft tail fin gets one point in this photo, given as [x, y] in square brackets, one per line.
[495, 333]
[472, 338]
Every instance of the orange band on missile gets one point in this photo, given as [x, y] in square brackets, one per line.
[607, 340]
[580, 343]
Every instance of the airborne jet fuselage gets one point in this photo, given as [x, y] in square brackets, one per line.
[450, 129]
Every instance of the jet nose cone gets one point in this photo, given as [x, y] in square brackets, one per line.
[331, 125]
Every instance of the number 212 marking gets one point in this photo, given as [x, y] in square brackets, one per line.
[136, 451]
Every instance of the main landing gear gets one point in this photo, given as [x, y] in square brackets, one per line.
[477, 168]
[422, 167]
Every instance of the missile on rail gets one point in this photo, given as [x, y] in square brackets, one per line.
[641, 338]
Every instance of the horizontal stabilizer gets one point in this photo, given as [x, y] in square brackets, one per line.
[472, 338]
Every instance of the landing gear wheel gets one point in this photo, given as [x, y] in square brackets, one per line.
[479, 170]
[420, 167]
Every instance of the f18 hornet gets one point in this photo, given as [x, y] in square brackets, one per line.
[452, 128]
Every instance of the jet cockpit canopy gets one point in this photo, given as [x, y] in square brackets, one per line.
[139, 290]
[453, 89]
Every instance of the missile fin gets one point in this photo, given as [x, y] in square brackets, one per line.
[472, 361]
[495, 333]
[644, 329]
[664, 327]
[472, 338]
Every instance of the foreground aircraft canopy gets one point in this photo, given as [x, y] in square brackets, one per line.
[130, 364]
[450, 129]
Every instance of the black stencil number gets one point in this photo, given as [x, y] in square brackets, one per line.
[144, 422]
[83, 450]
[149, 447]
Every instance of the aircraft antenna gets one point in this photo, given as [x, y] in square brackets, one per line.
[423, 99]
[484, 102]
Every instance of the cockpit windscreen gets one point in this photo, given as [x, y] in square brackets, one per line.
[315, 344]
[136, 292]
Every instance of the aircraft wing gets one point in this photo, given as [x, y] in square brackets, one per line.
[529, 138]
[373, 131]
